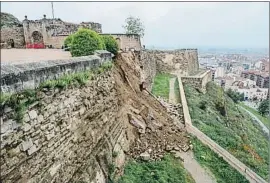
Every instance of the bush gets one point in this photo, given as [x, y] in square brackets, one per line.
[85, 42]
[235, 96]
[264, 107]
[110, 44]
[202, 105]
[68, 40]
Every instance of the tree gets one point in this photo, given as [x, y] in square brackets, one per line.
[264, 107]
[110, 44]
[235, 96]
[68, 40]
[134, 26]
[85, 42]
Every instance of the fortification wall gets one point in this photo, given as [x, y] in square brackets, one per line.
[18, 77]
[199, 82]
[67, 136]
[149, 69]
[179, 62]
[127, 41]
[182, 62]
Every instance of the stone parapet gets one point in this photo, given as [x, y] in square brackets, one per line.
[18, 77]
[198, 81]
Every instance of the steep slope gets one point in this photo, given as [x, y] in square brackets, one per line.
[215, 114]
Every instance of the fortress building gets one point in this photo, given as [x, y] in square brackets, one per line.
[51, 33]
[43, 33]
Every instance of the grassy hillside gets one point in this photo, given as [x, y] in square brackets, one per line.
[264, 119]
[215, 114]
[222, 171]
[168, 170]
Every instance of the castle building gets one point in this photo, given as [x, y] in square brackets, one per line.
[51, 33]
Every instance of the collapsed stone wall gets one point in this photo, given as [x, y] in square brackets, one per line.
[199, 82]
[71, 135]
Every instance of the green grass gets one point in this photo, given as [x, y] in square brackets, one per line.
[265, 120]
[161, 86]
[229, 126]
[167, 170]
[222, 171]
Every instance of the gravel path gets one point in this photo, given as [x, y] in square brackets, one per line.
[172, 98]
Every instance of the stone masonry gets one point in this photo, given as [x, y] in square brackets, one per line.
[68, 134]
[16, 77]
[12, 35]
[182, 62]
[43, 33]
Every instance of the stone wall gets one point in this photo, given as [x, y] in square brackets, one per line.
[182, 62]
[200, 81]
[74, 134]
[30, 75]
[179, 62]
[149, 68]
[68, 136]
[127, 41]
[12, 34]
[53, 31]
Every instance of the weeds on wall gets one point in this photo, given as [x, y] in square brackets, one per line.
[22, 100]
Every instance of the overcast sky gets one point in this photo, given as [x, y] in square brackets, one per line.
[170, 24]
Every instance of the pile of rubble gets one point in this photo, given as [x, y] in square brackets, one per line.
[175, 110]
[155, 138]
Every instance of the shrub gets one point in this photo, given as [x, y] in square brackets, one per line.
[110, 44]
[68, 40]
[202, 105]
[264, 107]
[85, 42]
[235, 96]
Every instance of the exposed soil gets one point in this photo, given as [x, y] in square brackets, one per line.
[151, 129]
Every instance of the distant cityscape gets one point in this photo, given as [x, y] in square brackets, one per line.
[245, 71]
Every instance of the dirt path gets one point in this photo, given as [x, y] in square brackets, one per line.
[172, 98]
[199, 174]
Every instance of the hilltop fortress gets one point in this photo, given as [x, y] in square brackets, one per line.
[51, 33]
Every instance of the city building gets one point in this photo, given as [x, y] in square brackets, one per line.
[261, 78]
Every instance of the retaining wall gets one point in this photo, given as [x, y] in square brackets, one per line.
[18, 77]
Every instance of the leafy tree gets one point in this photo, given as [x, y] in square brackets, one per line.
[85, 42]
[235, 96]
[68, 41]
[110, 44]
[134, 26]
[264, 107]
